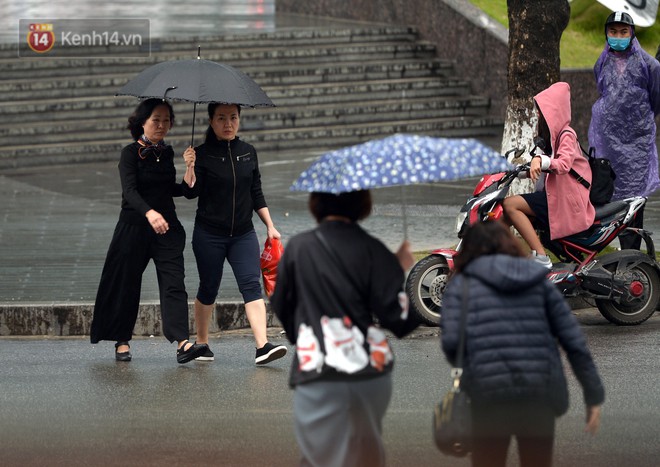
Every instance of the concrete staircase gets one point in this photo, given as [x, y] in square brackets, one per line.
[332, 86]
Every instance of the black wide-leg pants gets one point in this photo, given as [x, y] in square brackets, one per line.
[118, 296]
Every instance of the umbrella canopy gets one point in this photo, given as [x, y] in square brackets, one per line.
[400, 159]
[199, 81]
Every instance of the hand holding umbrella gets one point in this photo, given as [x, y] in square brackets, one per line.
[189, 157]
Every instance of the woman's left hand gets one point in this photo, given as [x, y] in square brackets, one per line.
[272, 233]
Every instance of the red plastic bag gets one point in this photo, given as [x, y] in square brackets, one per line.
[273, 251]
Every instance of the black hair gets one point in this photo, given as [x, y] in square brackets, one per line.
[486, 238]
[543, 133]
[356, 205]
[210, 134]
[142, 113]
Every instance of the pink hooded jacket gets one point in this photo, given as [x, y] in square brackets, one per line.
[569, 208]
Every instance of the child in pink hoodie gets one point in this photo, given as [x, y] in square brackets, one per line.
[560, 202]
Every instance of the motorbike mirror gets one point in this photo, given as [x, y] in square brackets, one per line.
[517, 152]
[539, 143]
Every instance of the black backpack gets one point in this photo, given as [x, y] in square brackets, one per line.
[601, 188]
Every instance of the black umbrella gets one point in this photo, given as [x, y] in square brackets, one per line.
[197, 81]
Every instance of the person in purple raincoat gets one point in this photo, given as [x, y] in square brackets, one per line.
[622, 127]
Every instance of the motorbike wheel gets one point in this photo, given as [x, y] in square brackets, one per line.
[641, 301]
[425, 286]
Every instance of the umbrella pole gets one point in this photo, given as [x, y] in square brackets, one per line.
[192, 137]
[404, 214]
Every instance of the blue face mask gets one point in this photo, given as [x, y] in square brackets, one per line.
[618, 44]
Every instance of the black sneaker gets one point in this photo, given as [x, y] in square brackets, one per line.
[268, 353]
[194, 351]
[206, 356]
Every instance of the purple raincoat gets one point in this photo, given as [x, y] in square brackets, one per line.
[622, 127]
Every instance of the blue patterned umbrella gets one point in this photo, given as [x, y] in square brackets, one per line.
[400, 159]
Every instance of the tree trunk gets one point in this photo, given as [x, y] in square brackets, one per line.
[535, 30]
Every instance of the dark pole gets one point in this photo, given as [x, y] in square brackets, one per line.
[192, 137]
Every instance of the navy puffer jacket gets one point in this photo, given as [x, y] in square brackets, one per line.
[515, 318]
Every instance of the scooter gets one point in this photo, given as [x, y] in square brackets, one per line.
[625, 284]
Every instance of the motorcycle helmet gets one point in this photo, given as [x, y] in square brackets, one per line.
[620, 17]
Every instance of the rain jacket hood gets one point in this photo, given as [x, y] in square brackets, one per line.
[569, 208]
[622, 125]
[506, 273]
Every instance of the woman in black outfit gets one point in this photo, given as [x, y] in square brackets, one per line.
[227, 180]
[333, 283]
[148, 228]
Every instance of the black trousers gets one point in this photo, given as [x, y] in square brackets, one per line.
[118, 296]
[630, 240]
[533, 425]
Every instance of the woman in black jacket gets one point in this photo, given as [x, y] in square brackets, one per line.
[148, 228]
[328, 305]
[224, 174]
[512, 369]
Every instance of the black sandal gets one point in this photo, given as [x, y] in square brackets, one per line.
[123, 356]
[194, 351]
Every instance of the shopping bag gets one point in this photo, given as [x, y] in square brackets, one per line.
[273, 251]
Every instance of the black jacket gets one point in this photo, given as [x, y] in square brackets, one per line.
[228, 186]
[311, 291]
[148, 181]
[515, 318]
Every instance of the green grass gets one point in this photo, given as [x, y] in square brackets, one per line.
[584, 38]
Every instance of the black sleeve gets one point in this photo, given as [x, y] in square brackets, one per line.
[258, 198]
[128, 167]
[190, 193]
[388, 300]
[564, 325]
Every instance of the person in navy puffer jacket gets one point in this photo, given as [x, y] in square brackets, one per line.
[512, 369]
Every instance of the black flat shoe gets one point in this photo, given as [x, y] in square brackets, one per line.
[194, 351]
[122, 356]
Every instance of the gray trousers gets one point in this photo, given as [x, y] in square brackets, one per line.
[339, 423]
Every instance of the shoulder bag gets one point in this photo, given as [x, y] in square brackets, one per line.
[452, 417]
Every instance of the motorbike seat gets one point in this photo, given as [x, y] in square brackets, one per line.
[609, 209]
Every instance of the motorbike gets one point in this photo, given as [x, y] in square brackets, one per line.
[624, 284]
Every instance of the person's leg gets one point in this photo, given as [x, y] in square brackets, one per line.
[167, 253]
[256, 315]
[202, 319]
[491, 436]
[535, 435]
[210, 251]
[243, 256]
[517, 213]
[630, 240]
[338, 423]
[370, 399]
[118, 296]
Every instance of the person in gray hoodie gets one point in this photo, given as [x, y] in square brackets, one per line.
[512, 370]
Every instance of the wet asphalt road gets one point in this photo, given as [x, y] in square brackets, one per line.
[66, 402]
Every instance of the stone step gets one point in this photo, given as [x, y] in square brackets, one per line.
[279, 118]
[300, 138]
[187, 47]
[332, 88]
[28, 111]
[93, 85]
[241, 58]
